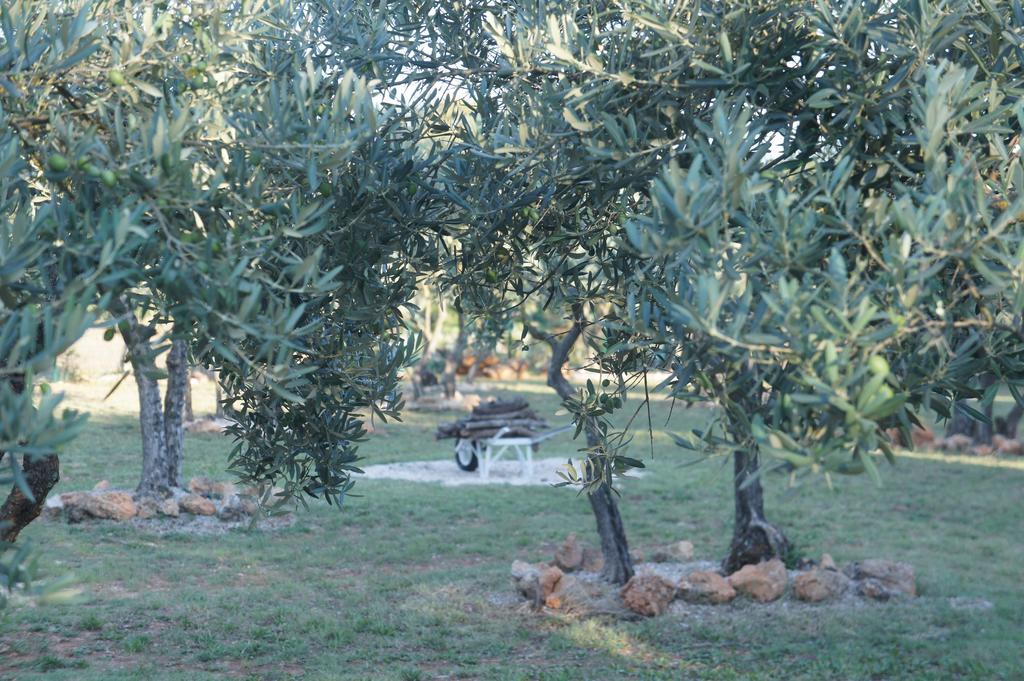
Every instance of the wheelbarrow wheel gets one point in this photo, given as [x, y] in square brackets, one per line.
[465, 455]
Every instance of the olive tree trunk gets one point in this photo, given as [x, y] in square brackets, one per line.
[618, 566]
[41, 475]
[754, 539]
[178, 387]
[160, 419]
[190, 414]
[454, 360]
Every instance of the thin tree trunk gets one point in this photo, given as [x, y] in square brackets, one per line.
[178, 386]
[454, 360]
[156, 467]
[431, 332]
[618, 566]
[754, 539]
[474, 369]
[218, 411]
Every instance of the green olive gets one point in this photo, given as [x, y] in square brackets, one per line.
[57, 163]
[325, 188]
[878, 365]
[109, 178]
[116, 78]
[91, 170]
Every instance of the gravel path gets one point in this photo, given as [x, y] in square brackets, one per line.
[448, 474]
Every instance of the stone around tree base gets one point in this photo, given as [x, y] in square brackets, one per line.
[569, 555]
[764, 582]
[706, 587]
[197, 505]
[882, 580]
[820, 584]
[648, 594]
[526, 580]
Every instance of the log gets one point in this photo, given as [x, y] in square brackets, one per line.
[524, 412]
[499, 407]
[490, 417]
[488, 434]
[498, 423]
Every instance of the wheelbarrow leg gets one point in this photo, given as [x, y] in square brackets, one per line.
[485, 461]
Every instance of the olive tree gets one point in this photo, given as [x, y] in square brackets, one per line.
[574, 115]
[230, 182]
[831, 244]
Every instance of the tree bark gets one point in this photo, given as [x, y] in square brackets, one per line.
[754, 539]
[618, 566]
[189, 414]
[42, 473]
[454, 360]
[474, 369]
[160, 473]
[178, 387]
[218, 411]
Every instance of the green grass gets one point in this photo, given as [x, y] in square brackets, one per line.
[399, 584]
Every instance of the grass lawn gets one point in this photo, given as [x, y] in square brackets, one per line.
[402, 583]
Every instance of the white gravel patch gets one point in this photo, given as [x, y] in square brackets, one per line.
[448, 473]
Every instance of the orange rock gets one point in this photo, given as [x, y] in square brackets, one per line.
[706, 587]
[211, 488]
[883, 579]
[648, 594]
[548, 580]
[197, 505]
[109, 505]
[169, 507]
[569, 555]
[957, 443]
[1006, 446]
[764, 582]
[525, 579]
[570, 596]
[922, 437]
[820, 584]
